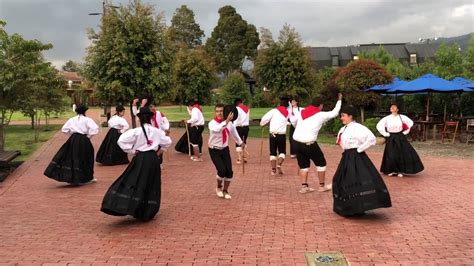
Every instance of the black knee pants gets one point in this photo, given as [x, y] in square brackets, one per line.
[277, 144]
[223, 163]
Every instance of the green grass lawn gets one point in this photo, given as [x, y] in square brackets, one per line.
[18, 116]
[176, 113]
[22, 138]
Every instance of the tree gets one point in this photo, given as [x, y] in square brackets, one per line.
[71, 66]
[231, 40]
[184, 31]
[19, 60]
[285, 67]
[193, 76]
[448, 61]
[357, 76]
[381, 56]
[468, 60]
[235, 87]
[266, 38]
[130, 56]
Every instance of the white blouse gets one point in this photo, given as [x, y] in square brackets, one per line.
[294, 113]
[82, 125]
[243, 118]
[356, 136]
[119, 123]
[216, 136]
[134, 139]
[278, 121]
[393, 124]
[197, 118]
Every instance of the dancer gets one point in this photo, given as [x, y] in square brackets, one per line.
[137, 192]
[399, 157]
[294, 110]
[219, 130]
[357, 185]
[109, 152]
[158, 120]
[74, 162]
[307, 127]
[278, 118]
[195, 128]
[242, 125]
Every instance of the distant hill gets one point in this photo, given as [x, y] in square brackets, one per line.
[462, 41]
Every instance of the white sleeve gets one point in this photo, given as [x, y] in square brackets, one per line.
[235, 134]
[165, 123]
[381, 125]
[334, 112]
[194, 116]
[294, 119]
[267, 117]
[127, 140]
[165, 141]
[93, 128]
[367, 137]
[135, 110]
[408, 122]
[124, 125]
[66, 129]
[216, 127]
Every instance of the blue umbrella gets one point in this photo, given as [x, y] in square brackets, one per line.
[463, 82]
[429, 83]
[385, 87]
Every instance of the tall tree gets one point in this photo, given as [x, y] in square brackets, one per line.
[231, 40]
[71, 66]
[235, 87]
[266, 38]
[130, 56]
[381, 56]
[448, 61]
[285, 67]
[193, 76]
[184, 31]
[468, 60]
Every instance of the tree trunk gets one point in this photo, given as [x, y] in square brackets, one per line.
[134, 122]
[362, 117]
[2, 132]
[32, 116]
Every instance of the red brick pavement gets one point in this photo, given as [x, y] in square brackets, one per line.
[266, 222]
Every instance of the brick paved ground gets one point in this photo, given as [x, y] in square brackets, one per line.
[266, 222]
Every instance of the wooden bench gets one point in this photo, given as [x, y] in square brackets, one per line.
[7, 156]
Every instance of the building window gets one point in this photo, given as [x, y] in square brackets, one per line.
[335, 61]
[413, 59]
[355, 57]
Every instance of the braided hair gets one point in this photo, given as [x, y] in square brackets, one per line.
[145, 118]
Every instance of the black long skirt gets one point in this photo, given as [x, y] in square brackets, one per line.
[110, 152]
[399, 156]
[358, 186]
[74, 162]
[137, 192]
[183, 146]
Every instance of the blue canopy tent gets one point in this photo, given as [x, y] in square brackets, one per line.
[429, 83]
[464, 82]
[385, 87]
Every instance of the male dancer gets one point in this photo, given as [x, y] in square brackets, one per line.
[309, 122]
[195, 129]
[219, 131]
[242, 125]
[278, 118]
[158, 120]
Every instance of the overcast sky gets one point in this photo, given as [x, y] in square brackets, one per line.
[319, 22]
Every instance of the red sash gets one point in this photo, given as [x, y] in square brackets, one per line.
[225, 131]
[154, 121]
[244, 108]
[283, 111]
[198, 107]
[309, 111]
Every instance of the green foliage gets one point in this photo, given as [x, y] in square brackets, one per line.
[193, 76]
[130, 56]
[235, 86]
[448, 61]
[285, 67]
[332, 127]
[468, 61]
[184, 31]
[72, 66]
[321, 79]
[231, 40]
[414, 72]
[371, 123]
[381, 56]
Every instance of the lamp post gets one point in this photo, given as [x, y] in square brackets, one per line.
[105, 5]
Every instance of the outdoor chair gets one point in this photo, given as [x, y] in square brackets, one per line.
[470, 130]
[450, 127]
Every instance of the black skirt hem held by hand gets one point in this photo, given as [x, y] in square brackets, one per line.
[358, 186]
[137, 192]
[74, 162]
[399, 156]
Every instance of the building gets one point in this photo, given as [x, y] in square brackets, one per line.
[78, 89]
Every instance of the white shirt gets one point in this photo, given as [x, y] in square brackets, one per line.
[355, 135]
[134, 139]
[393, 124]
[278, 121]
[119, 123]
[161, 121]
[197, 118]
[216, 136]
[82, 125]
[243, 119]
[307, 130]
[293, 113]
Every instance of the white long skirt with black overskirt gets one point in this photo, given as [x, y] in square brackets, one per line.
[109, 152]
[74, 162]
[399, 156]
[137, 192]
[358, 186]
